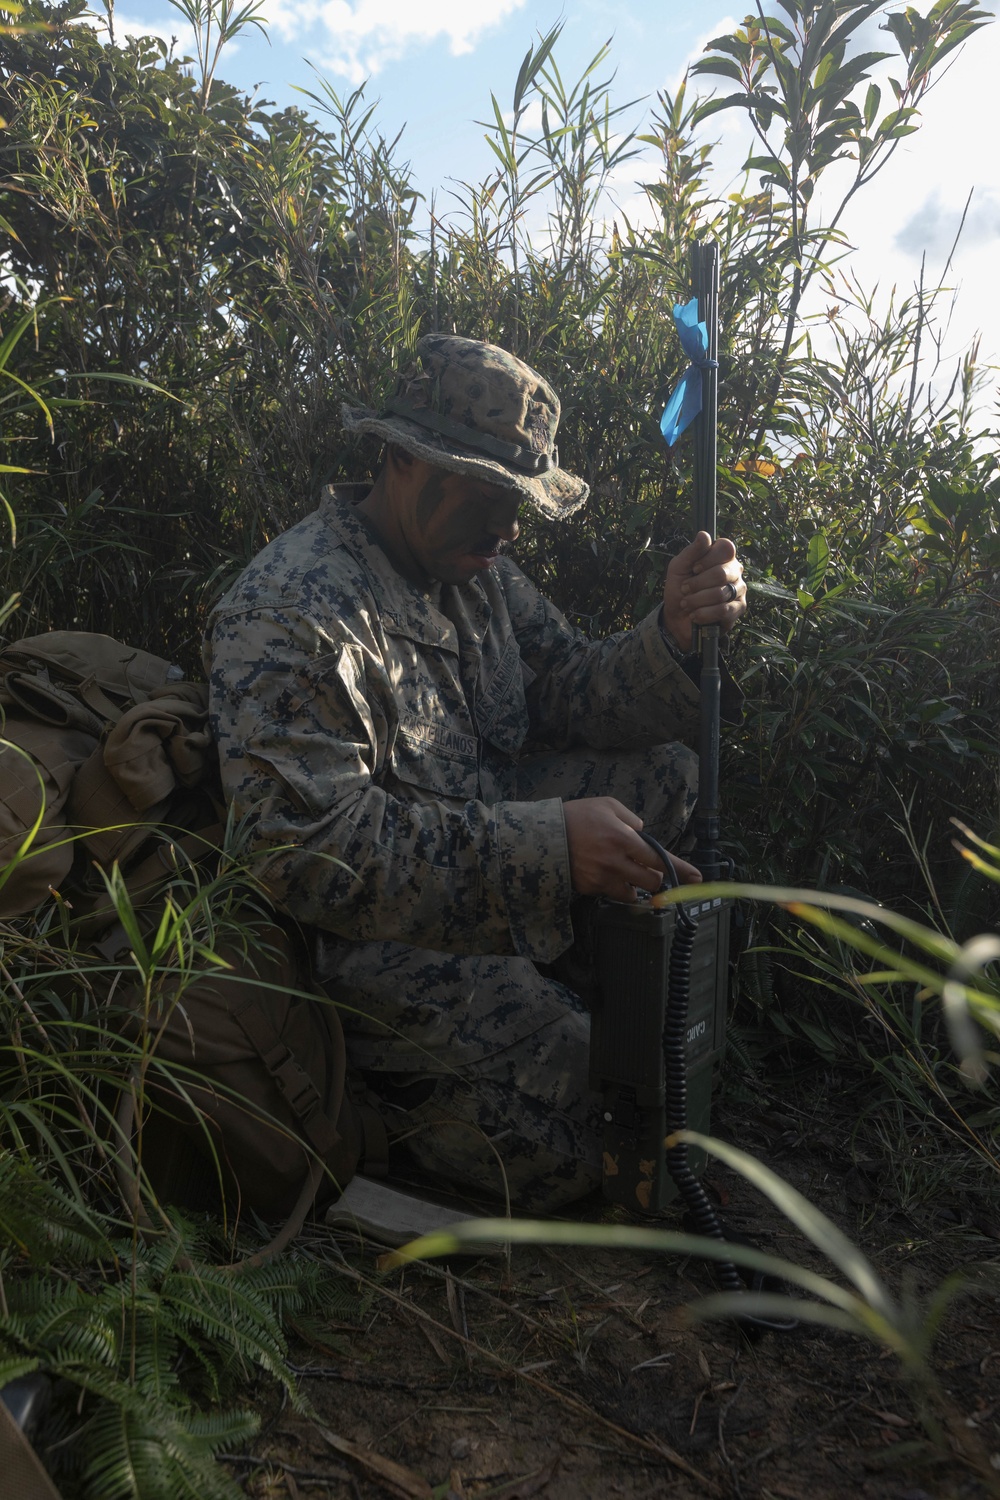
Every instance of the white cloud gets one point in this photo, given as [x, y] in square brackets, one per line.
[358, 37]
[938, 220]
[916, 205]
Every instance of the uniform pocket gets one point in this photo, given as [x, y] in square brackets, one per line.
[436, 758]
[435, 753]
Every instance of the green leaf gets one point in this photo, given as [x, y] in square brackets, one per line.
[724, 67]
[873, 98]
[817, 562]
[622, 1236]
[715, 106]
[818, 31]
[894, 125]
[898, 22]
[734, 45]
[779, 29]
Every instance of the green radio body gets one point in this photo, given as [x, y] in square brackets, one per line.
[633, 949]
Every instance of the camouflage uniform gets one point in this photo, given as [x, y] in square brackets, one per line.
[402, 754]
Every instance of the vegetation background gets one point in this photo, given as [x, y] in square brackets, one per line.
[194, 282]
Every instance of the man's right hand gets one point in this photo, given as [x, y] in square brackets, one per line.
[606, 855]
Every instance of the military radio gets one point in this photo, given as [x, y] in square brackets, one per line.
[659, 1023]
[658, 1033]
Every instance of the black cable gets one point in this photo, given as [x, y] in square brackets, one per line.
[697, 1201]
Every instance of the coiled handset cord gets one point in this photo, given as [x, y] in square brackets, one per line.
[675, 1024]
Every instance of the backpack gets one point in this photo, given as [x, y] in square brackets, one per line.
[103, 739]
[106, 756]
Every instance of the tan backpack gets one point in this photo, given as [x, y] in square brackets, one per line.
[102, 740]
[106, 755]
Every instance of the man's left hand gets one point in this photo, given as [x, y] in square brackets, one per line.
[704, 586]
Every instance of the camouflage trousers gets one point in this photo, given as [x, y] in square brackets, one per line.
[485, 1057]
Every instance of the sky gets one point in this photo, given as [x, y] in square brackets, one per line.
[433, 64]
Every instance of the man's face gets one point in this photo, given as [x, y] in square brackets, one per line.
[453, 526]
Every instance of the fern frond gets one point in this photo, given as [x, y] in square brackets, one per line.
[156, 1455]
[13, 1367]
[42, 1220]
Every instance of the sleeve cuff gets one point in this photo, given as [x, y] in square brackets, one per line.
[668, 639]
[666, 662]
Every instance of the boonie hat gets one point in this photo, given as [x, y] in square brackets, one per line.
[472, 408]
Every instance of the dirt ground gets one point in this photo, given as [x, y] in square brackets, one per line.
[576, 1374]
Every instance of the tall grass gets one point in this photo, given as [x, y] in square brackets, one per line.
[150, 1325]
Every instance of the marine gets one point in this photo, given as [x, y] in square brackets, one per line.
[439, 773]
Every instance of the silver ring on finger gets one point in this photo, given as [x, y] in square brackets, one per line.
[731, 592]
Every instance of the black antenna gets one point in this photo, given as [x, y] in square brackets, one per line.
[705, 283]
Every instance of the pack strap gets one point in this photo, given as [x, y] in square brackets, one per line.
[96, 699]
[128, 1182]
[303, 1097]
[143, 881]
[300, 1093]
[40, 698]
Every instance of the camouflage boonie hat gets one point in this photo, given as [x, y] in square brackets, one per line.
[472, 408]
